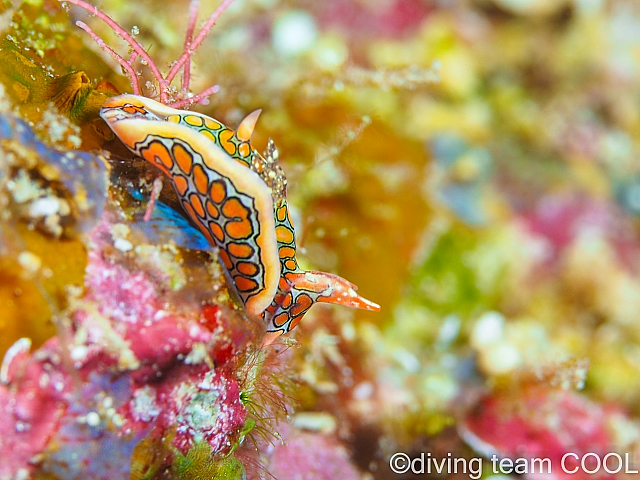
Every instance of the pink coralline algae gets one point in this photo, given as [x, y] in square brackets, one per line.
[392, 19]
[582, 217]
[548, 424]
[310, 456]
[125, 367]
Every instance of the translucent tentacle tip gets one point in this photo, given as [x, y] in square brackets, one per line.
[336, 290]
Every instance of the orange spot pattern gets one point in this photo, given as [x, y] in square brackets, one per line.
[226, 143]
[181, 184]
[215, 204]
[291, 264]
[200, 179]
[303, 303]
[196, 203]
[217, 191]
[296, 292]
[211, 124]
[280, 319]
[283, 234]
[157, 154]
[184, 160]
[247, 268]
[217, 232]
[209, 135]
[294, 322]
[219, 134]
[244, 150]
[194, 120]
[212, 209]
[244, 284]
[286, 252]
[282, 213]
[228, 219]
[239, 225]
[286, 301]
[133, 109]
[240, 250]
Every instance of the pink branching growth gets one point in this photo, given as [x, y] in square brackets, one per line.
[138, 51]
[155, 193]
[193, 13]
[127, 65]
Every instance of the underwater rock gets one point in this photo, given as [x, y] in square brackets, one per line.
[50, 199]
[60, 192]
[125, 366]
[136, 355]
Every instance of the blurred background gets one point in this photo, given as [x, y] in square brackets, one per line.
[473, 167]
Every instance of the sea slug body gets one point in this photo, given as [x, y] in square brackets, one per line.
[237, 198]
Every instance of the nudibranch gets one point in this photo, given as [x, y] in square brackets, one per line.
[237, 198]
